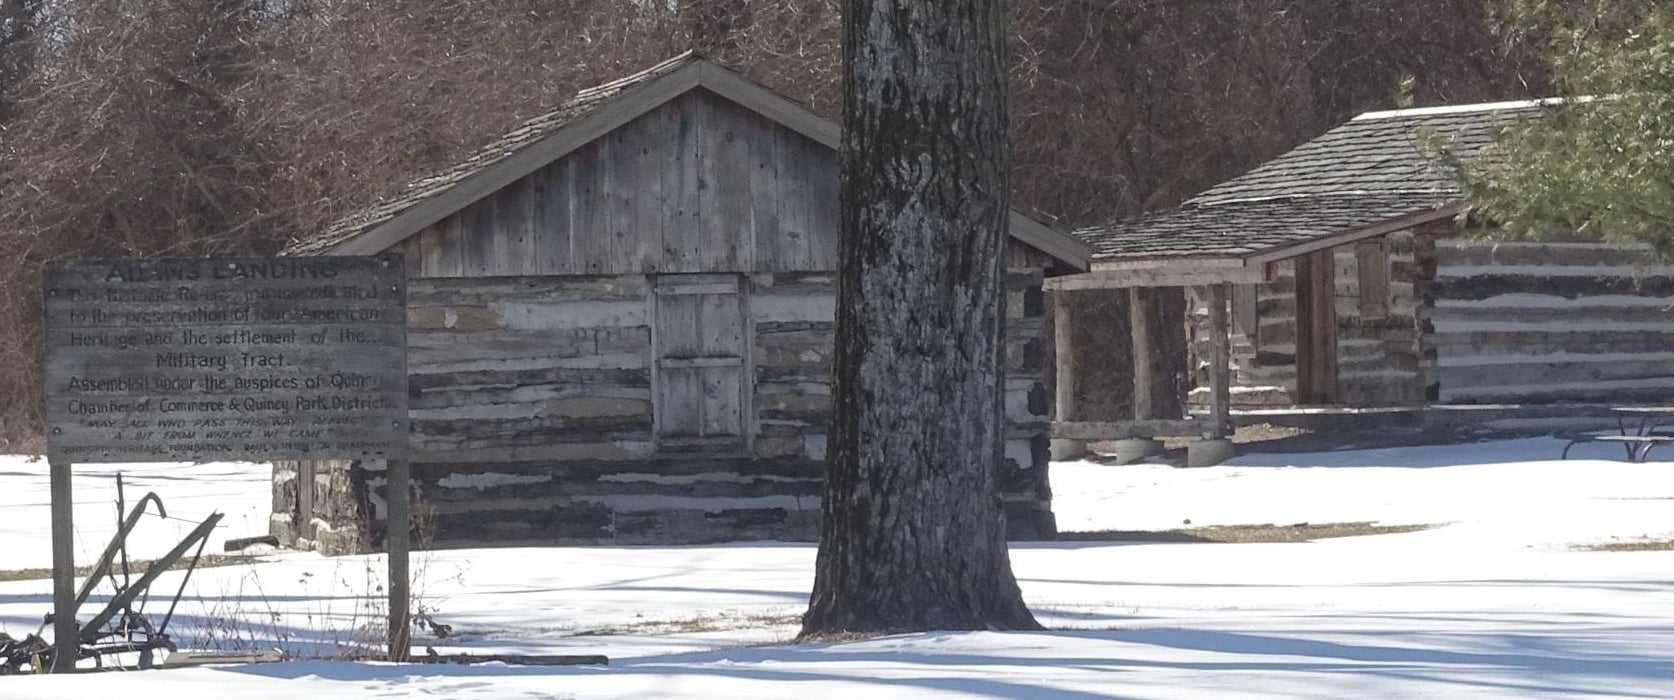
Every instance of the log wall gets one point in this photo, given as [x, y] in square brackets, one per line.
[1542, 322]
[1380, 349]
[533, 422]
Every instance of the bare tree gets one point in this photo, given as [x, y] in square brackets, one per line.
[19, 24]
[137, 127]
[912, 533]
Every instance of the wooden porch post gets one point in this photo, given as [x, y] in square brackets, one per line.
[1216, 446]
[1063, 356]
[1063, 351]
[1220, 358]
[1144, 374]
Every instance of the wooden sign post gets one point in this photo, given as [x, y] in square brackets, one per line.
[245, 359]
[64, 629]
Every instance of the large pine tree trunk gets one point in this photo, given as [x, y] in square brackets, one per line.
[913, 536]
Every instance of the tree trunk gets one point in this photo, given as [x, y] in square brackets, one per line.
[913, 535]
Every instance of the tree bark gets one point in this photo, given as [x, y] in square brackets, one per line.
[913, 534]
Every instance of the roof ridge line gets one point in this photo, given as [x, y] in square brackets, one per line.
[1464, 109]
[1195, 204]
[618, 83]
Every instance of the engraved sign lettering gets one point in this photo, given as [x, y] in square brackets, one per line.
[226, 359]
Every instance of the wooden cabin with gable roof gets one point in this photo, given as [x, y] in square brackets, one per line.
[621, 326]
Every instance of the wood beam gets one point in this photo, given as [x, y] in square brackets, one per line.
[1140, 312]
[1130, 429]
[1373, 231]
[1169, 274]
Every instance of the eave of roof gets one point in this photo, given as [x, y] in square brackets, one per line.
[1251, 229]
[1356, 177]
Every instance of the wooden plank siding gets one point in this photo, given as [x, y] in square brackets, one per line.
[697, 185]
[1530, 322]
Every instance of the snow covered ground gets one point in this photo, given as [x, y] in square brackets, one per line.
[1494, 602]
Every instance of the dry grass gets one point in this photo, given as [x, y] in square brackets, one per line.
[1629, 546]
[694, 625]
[1228, 534]
[136, 566]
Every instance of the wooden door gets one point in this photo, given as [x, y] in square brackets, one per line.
[701, 336]
[1316, 329]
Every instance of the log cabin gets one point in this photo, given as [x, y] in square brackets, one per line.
[1340, 275]
[620, 329]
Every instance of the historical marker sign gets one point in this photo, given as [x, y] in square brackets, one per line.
[226, 359]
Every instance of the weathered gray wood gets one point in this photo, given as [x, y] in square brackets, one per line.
[305, 510]
[1220, 375]
[792, 247]
[64, 628]
[628, 187]
[1381, 229]
[765, 195]
[515, 222]
[442, 255]
[479, 239]
[232, 358]
[1132, 429]
[700, 357]
[553, 228]
[400, 632]
[412, 250]
[771, 105]
[1162, 274]
[1063, 345]
[1372, 268]
[602, 120]
[723, 141]
[680, 402]
[824, 232]
[1316, 329]
[770, 110]
[1140, 310]
[592, 239]
[1245, 319]
[682, 209]
[722, 412]
[1072, 251]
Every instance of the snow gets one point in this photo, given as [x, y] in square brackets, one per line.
[1559, 357]
[189, 494]
[1495, 601]
[1525, 300]
[1637, 271]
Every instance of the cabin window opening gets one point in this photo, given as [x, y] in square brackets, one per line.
[700, 337]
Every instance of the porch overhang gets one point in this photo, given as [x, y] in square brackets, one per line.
[1228, 264]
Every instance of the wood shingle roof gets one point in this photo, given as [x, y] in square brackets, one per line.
[1373, 169]
[582, 104]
